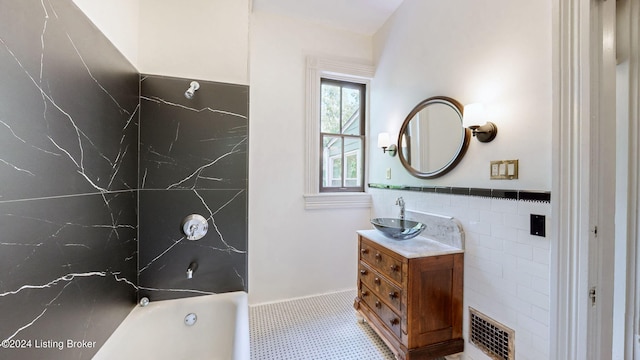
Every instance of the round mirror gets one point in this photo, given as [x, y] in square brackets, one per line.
[432, 139]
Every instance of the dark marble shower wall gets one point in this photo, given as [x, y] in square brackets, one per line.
[193, 160]
[68, 178]
[73, 184]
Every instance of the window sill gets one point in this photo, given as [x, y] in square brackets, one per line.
[337, 201]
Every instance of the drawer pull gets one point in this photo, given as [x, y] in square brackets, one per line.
[394, 321]
[377, 281]
[364, 251]
[378, 305]
[378, 256]
[363, 272]
[393, 295]
[365, 293]
[395, 268]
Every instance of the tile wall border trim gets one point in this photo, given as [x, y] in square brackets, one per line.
[522, 195]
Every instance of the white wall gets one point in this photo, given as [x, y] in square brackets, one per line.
[293, 252]
[499, 53]
[204, 39]
[198, 39]
[495, 52]
[119, 22]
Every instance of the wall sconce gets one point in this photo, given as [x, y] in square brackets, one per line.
[384, 143]
[475, 114]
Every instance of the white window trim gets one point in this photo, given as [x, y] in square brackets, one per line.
[336, 69]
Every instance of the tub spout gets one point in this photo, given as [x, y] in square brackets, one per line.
[191, 269]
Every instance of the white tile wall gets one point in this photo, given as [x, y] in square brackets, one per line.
[506, 268]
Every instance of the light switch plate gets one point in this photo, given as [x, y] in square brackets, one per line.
[503, 170]
[494, 169]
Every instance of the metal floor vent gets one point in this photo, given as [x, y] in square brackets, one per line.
[493, 338]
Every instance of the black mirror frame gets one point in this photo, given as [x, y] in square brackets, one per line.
[457, 156]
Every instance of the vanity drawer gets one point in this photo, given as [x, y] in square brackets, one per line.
[381, 286]
[381, 260]
[387, 316]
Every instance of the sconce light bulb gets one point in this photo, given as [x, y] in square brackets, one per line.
[383, 140]
[474, 115]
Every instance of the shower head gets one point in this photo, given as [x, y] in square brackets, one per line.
[191, 90]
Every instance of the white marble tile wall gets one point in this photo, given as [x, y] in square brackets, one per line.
[444, 229]
[506, 268]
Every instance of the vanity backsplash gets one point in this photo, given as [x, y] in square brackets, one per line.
[444, 229]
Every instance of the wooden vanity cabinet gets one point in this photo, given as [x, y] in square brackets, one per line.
[413, 304]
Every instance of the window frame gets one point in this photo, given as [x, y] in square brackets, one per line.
[343, 136]
[355, 71]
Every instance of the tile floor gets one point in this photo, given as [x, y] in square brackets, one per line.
[316, 328]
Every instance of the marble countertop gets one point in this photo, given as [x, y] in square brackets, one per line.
[419, 246]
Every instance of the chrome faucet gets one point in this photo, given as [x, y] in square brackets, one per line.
[400, 202]
[191, 269]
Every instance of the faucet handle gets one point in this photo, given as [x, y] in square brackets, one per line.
[400, 201]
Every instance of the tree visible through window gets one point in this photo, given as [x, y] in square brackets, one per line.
[341, 136]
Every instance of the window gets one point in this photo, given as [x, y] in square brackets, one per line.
[342, 113]
[336, 178]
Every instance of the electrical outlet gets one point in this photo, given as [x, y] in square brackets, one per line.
[388, 173]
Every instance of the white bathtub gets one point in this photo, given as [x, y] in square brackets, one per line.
[158, 331]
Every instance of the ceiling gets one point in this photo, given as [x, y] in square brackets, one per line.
[360, 16]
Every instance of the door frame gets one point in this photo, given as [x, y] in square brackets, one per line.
[629, 54]
[583, 196]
